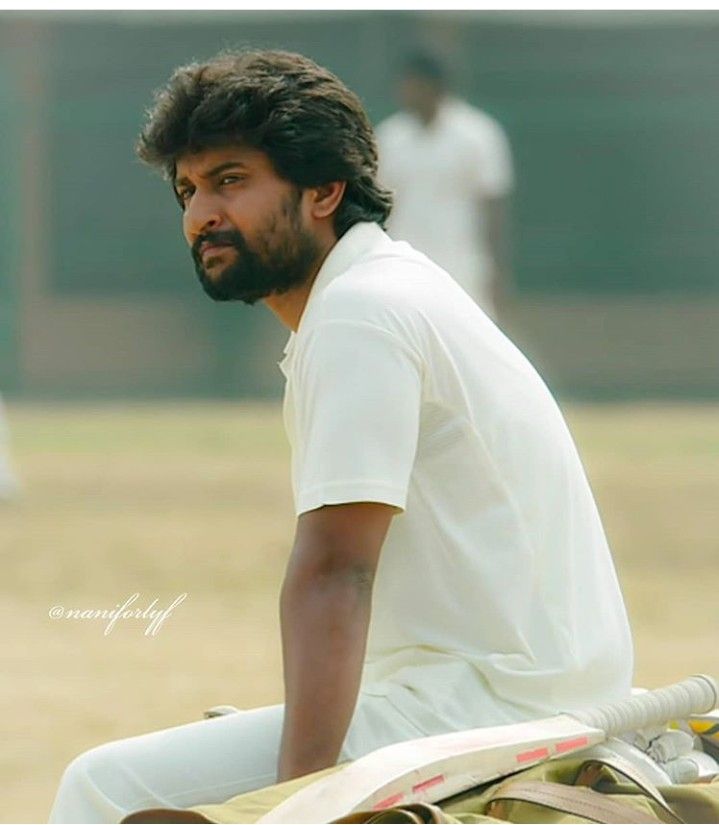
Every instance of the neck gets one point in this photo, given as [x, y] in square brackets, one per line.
[427, 114]
[289, 306]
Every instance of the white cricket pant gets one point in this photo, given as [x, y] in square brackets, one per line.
[203, 762]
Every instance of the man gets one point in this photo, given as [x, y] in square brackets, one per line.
[450, 168]
[449, 568]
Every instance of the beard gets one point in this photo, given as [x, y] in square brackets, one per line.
[282, 260]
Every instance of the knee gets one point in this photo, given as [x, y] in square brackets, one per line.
[90, 765]
[88, 788]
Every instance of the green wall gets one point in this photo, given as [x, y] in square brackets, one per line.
[613, 120]
[616, 135]
[11, 201]
[615, 130]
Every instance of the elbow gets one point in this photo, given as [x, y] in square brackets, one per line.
[356, 577]
[335, 586]
[336, 598]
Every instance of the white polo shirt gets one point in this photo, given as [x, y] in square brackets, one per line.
[441, 175]
[495, 598]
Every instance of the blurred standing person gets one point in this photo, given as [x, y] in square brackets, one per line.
[8, 483]
[450, 167]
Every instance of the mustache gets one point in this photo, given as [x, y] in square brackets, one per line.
[227, 238]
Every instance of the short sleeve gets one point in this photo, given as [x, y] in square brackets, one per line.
[357, 400]
[495, 170]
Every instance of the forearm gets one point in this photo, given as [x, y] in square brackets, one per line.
[324, 620]
[497, 236]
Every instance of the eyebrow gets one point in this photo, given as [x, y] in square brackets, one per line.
[216, 170]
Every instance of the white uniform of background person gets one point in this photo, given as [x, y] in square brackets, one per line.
[495, 599]
[440, 174]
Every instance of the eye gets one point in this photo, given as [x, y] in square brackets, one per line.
[234, 178]
[183, 195]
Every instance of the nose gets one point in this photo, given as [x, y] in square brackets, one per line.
[202, 214]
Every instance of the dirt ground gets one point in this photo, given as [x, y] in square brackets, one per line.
[165, 499]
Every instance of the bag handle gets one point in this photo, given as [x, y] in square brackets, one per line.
[625, 768]
[576, 801]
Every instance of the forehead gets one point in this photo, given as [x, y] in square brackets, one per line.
[203, 163]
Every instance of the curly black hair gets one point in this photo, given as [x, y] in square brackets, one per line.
[311, 126]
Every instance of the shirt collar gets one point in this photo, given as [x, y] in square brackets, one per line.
[356, 241]
[445, 108]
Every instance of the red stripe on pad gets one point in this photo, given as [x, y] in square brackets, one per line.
[530, 756]
[428, 783]
[571, 744]
[388, 802]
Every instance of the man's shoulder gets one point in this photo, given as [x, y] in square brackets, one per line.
[394, 127]
[472, 119]
[386, 278]
[389, 288]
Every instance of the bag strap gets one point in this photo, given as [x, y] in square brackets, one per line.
[626, 768]
[576, 801]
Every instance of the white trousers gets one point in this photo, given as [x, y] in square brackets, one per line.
[203, 762]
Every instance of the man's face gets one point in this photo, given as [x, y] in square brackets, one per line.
[419, 95]
[244, 224]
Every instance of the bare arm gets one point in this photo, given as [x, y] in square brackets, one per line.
[497, 211]
[325, 610]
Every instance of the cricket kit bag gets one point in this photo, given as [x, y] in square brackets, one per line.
[561, 769]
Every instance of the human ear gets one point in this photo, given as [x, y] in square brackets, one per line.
[326, 199]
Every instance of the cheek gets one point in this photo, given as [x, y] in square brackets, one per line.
[186, 230]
